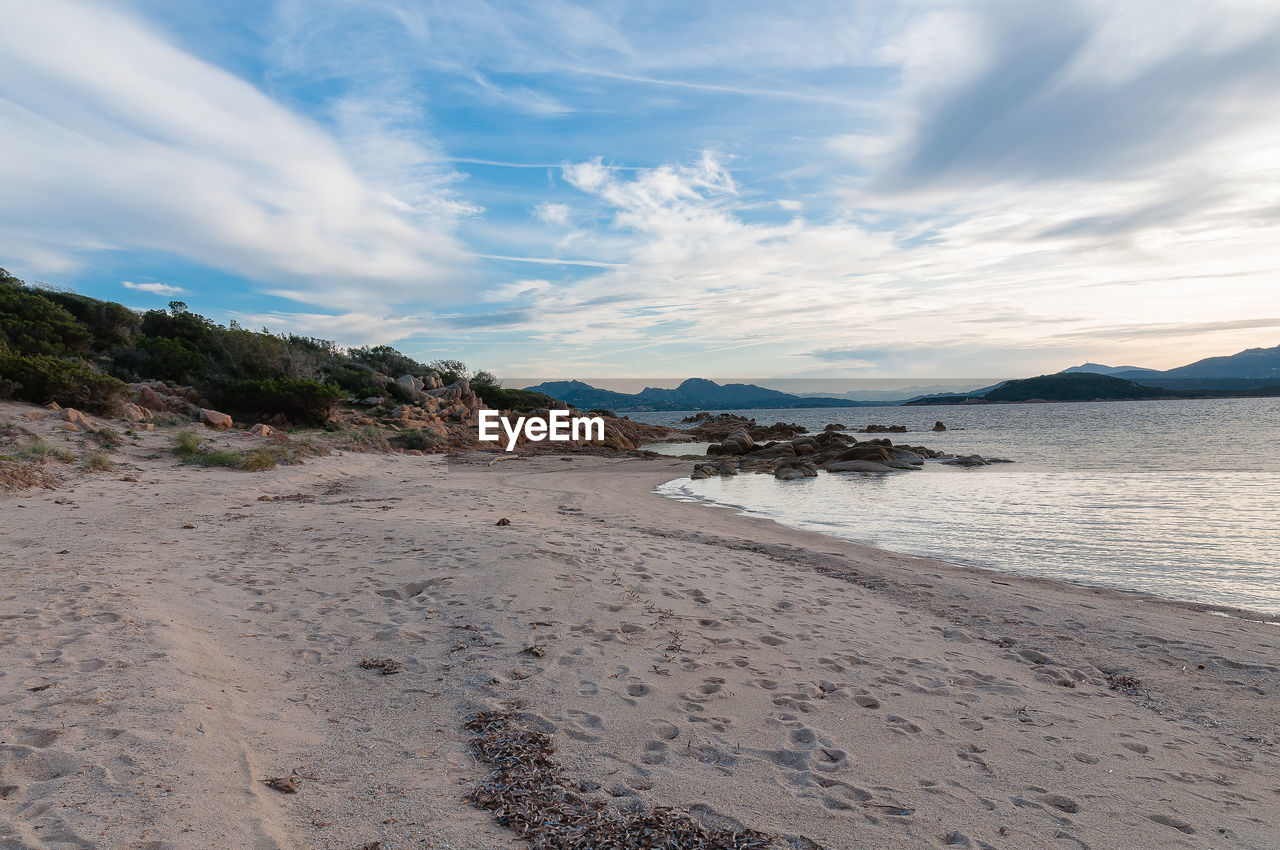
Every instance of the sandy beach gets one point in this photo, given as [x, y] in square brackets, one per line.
[170, 642]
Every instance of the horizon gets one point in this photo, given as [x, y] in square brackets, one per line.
[879, 193]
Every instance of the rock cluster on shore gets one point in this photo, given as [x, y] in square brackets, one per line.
[829, 450]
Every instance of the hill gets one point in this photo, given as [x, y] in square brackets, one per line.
[1249, 369]
[1086, 386]
[693, 394]
[79, 351]
[1099, 369]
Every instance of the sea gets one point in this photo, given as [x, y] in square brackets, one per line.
[1180, 499]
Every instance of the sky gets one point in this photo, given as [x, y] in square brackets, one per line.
[845, 190]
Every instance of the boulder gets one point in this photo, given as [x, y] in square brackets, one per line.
[34, 415]
[264, 430]
[883, 429]
[794, 471]
[215, 420]
[856, 466]
[738, 442]
[411, 382]
[74, 416]
[134, 412]
[938, 426]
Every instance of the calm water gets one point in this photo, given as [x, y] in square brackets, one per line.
[1178, 498]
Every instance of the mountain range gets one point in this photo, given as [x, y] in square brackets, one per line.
[693, 394]
[1243, 372]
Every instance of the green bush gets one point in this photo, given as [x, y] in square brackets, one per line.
[42, 379]
[503, 398]
[32, 324]
[303, 400]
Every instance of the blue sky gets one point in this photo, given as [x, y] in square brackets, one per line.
[551, 189]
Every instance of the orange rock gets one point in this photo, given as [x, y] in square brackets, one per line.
[215, 420]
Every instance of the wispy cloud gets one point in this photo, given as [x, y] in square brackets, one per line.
[153, 288]
[168, 153]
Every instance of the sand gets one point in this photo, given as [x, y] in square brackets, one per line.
[171, 642]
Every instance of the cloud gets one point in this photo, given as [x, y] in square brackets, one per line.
[549, 213]
[347, 329]
[153, 288]
[115, 139]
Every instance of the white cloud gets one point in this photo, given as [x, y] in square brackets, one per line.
[116, 139]
[556, 214]
[153, 288]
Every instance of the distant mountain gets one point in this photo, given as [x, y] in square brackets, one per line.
[693, 394]
[1087, 386]
[1249, 369]
[1251, 364]
[1099, 369]
[898, 395]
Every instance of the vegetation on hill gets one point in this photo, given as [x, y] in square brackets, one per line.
[1085, 386]
[1074, 386]
[80, 352]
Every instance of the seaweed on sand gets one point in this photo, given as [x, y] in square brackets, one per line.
[528, 793]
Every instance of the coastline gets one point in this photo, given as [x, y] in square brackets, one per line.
[756, 674]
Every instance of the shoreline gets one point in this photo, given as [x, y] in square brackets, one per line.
[197, 640]
[1235, 611]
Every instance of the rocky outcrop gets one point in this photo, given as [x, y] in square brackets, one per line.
[215, 420]
[264, 430]
[938, 426]
[736, 442]
[74, 420]
[883, 429]
[829, 450]
[715, 428]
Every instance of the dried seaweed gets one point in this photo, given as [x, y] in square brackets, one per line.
[529, 794]
[385, 666]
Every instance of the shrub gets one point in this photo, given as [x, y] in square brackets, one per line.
[511, 399]
[186, 444]
[258, 460]
[303, 400]
[37, 449]
[420, 440]
[99, 463]
[32, 324]
[42, 379]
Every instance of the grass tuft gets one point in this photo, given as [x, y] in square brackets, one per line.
[186, 444]
[99, 463]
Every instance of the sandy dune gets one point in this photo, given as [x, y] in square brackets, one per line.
[168, 644]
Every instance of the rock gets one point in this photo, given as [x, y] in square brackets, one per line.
[938, 426]
[834, 426]
[150, 399]
[215, 420]
[71, 426]
[410, 382]
[263, 430]
[402, 412]
[856, 466]
[74, 416]
[134, 412]
[371, 401]
[34, 415]
[737, 443]
[883, 429]
[965, 460]
[794, 471]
